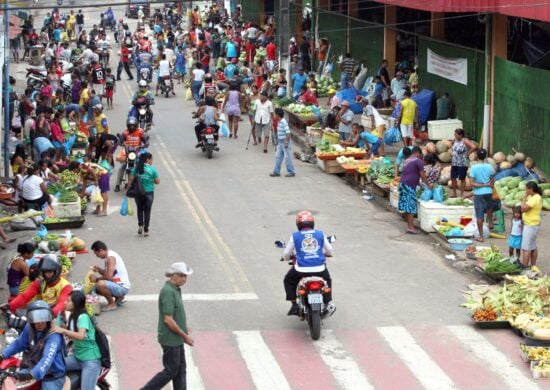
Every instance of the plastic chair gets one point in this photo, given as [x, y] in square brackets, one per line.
[500, 224]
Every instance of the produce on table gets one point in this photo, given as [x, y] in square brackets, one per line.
[535, 353]
[467, 186]
[445, 157]
[69, 177]
[511, 191]
[56, 220]
[68, 197]
[542, 366]
[379, 169]
[301, 109]
[76, 244]
[485, 314]
[66, 263]
[83, 203]
[457, 202]
[324, 84]
[283, 102]
[499, 157]
[496, 265]
[526, 322]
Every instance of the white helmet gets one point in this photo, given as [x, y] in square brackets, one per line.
[142, 85]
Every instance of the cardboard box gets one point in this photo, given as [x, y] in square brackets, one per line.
[330, 166]
[66, 210]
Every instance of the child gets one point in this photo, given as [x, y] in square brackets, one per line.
[514, 241]
[109, 87]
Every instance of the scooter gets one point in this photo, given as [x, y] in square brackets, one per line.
[310, 291]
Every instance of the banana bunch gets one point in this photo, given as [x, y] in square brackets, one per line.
[537, 353]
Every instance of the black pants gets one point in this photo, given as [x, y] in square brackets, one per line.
[126, 67]
[175, 367]
[201, 126]
[293, 277]
[36, 203]
[144, 205]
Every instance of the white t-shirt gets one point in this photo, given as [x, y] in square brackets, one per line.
[164, 68]
[31, 187]
[198, 74]
[517, 227]
[121, 274]
[378, 120]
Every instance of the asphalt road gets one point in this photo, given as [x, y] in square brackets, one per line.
[398, 324]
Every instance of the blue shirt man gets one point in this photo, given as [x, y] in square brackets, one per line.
[298, 80]
[230, 50]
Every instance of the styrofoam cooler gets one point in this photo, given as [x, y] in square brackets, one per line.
[430, 213]
[394, 197]
[66, 210]
[443, 129]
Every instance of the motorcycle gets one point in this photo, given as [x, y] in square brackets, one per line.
[35, 78]
[209, 142]
[104, 57]
[145, 73]
[310, 291]
[132, 153]
[142, 106]
[166, 85]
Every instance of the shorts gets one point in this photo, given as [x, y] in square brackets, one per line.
[482, 203]
[233, 111]
[116, 289]
[103, 183]
[108, 93]
[458, 172]
[514, 242]
[406, 131]
[529, 237]
[376, 146]
[264, 129]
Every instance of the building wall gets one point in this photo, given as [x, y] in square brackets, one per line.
[467, 99]
[522, 115]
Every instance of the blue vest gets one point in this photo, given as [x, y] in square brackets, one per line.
[309, 247]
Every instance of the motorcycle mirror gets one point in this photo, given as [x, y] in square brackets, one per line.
[280, 244]
[331, 239]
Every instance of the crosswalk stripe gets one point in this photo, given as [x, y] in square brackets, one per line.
[194, 380]
[495, 359]
[266, 373]
[430, 375]
[343, 367]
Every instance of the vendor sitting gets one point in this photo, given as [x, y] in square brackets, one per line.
[306, 96]
[361, 138]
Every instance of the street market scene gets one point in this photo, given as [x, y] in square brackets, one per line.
[180, 176]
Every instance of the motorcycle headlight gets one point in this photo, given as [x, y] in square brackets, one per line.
[132, 156]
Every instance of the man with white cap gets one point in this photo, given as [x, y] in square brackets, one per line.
[344, 118]
[172, 330]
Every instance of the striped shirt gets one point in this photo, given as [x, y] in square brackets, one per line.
[348, 65]
[282, 129]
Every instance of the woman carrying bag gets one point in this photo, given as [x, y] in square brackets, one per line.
[148, 177]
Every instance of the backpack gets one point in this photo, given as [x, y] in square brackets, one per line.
[103, 344]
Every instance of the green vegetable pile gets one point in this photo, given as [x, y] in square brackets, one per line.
[66, 263]
[324, 146]
[56, 220]
[511, 191]
[496, 262]
[379, 170]
[69, 178]
[283, 102]
[68, 197]
[457, 202]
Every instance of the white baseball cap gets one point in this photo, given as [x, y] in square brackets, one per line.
[178, 268]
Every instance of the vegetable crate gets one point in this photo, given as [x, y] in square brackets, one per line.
[66, 210]
[70, 222]
[330, 166]
[333, 138]
[429, 213]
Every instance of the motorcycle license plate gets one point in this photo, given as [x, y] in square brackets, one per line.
[167, 82]
[314, 298]
[209, 136]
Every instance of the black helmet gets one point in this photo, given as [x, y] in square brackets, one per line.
[50, 263]
[131, 123]
[39, 311]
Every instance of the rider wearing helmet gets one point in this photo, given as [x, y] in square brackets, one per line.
[150, 100]
[132, 136]
[44, 348]
[312, 247]
[51, 288]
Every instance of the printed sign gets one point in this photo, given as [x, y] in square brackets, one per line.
[455, 69]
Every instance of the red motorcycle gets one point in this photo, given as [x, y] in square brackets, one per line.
[209, 141]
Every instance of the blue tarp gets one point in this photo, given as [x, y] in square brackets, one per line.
[424, 100]
[350, 94]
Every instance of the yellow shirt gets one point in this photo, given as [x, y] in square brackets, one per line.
[532, 217]
[84, 97]
[408, 107]
[98, 122]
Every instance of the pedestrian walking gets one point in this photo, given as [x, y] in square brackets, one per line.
[232, 106]
[482, 174]
[124, 63]
[173, 332]
[263, 118]
[148, 177]
[283, 146]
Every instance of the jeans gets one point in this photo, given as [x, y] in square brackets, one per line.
[173, 360]
[195, 88]
[344, 80]
[120, 174]
[144, 205]
[90, 371]
[281, 153]
[55, 384]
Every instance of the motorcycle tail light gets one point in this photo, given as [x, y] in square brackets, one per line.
[209, 130]
[315, 285]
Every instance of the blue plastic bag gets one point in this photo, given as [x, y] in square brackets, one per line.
[427, 194]
[438, 195]
[42, 231]
[124, 207]
[224, 130]
[392, 136]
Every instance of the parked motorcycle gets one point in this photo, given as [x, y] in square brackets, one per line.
[310, 291]
[35, 78]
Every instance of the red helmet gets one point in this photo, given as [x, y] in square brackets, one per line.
[305, 219]
[234, 60]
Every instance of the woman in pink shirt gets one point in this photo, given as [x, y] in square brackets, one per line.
[57, 134]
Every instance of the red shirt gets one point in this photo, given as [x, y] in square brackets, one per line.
[271, 51]
[205, 61]
[220, 76]
[250, 50]
[124, 54]
[134, 138]
[309, 97]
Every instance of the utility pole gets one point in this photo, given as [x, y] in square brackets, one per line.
[6, 69]
[487, 91]
[284, 39]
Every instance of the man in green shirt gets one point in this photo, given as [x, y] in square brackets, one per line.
[172, 330]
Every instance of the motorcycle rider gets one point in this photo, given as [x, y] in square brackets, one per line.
[52, 288]
[208, 114]
[45, 349]
[109, 18]
[143, 92]
[164, 70]
[312, 247]
[145, 44]
[144, 67]
[132, 136]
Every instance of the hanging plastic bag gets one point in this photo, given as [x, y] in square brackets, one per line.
[392, 136]
[89, 286]
[188, 95]
[427, 194]
[130, 208]
[224, 130]
[42, 231]
[438, 194]
[48, 211]
[124, 207]
[96, 196]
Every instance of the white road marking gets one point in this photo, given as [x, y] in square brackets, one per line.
[197, 297]
[430, 375]
[112, 376]
[194, 380]
[264, 369]
[496, 360]
[345, 370]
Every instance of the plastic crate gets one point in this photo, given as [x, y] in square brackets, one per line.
[444, 129]
[66, 210]
[313, 135]
[430, 213]
[333, 138]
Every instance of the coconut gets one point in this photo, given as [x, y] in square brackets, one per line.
[472, 157]
[529, 163]
[430, 147]
[520, 156]
[511, 159]
[448, 143]
[441, 147]
[499, 157]
[445, 157]
[492, 162]
[445, 175]
[467, 185]
[505, 165]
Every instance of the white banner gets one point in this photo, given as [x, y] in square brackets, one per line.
[455, 69]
